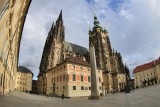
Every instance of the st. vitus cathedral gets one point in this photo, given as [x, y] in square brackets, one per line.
[57, 50]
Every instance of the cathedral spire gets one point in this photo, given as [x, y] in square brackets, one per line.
[60, 16]
[59, 21]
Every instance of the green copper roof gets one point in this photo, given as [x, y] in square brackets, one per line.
[75, 48]
[96, 22]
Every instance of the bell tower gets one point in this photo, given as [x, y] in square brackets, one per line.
[99, 38]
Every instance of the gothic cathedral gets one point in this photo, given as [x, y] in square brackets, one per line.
[58, 52]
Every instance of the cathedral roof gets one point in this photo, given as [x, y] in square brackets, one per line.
[146, 66]
[75, 48]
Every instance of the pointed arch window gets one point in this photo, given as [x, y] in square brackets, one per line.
[57, 57]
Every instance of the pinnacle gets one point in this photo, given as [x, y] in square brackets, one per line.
[60, 16]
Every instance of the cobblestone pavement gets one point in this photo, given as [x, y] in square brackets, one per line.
[144, 97]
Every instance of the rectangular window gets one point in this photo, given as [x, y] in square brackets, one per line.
[63, 77]
[82, 88]
[74, 87]
[63, 87]
[81, 78]
[74, 67]
[74, 77]
[89, 79]
[100, 88]
[99, 79]
[57, 79]
[89, 88]
[81, 68]
[60, 78]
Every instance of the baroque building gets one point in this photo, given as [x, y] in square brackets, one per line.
[23, 79]
[12, 17]
[61, 59]
[147, 74]
[72, 78]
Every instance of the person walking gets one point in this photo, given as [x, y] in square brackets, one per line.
[62, 96]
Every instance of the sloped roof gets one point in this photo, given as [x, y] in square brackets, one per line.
[72, 59]
[24, 69]
[77, 60]
[75, 48]
[146, 66]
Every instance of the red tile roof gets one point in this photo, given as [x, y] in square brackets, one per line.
[146, 66]
[78, 60]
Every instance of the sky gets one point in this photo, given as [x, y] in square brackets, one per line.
[133, 27]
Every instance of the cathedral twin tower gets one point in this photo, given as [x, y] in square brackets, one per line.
[57, 50]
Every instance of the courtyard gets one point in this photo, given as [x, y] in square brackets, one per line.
[143, 97]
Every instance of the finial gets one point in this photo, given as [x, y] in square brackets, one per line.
[96, 23]
[95, 17]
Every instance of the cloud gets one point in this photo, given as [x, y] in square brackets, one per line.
[133, 27]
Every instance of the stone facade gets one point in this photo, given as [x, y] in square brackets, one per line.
[12, 18]
[57, 50]
[23, 79]
[147, 74]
